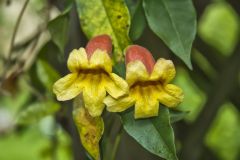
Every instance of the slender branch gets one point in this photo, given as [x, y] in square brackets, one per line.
[205, 84]
[8, 61]
[117, 138]
[115, 146]
[16, 28]
[217, 62]
[212, 55]
[221, 90]
[197, 131]
[22, 61]
[27, 41]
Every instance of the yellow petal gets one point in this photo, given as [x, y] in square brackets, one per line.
[100, 59]
[93, 94]
[136, 71]
[146, 103]
[116, 86]
[90, 128]
[163, 70]
[171, 95]
[77, 60]
[68, 87]
[118, 105]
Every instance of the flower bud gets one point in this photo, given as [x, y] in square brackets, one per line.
[102, 42]
[136, 52]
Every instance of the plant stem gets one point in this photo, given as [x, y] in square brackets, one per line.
[116, 143]
[16, 28]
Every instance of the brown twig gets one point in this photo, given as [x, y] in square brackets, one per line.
[16, 28]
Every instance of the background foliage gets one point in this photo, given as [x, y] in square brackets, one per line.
[37, 36]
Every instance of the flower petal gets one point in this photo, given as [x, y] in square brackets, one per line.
[146, 109]
[118, 105]
[100, 59]
[163, 70]
[146, 103]
[68, 87]
[93, 94]
[116, 86]
[136, 71]
[77, 60]
[171, 95]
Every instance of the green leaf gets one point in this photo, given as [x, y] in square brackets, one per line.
[36, 111]
[132, 6]
[219, 27]
[46, 74]
[59, 28]
[176, 115]
[120, 69]
[106, 17]
[174, 21]
[225, 128]
[50, 53]
[138, 23]
[154, 134]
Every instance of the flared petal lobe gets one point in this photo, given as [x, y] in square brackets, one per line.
[77, 60]
[163, 71]
[170, 95]
[118, 105]
[68, 87]
[136, 71]
[101, 60]
[116, 86]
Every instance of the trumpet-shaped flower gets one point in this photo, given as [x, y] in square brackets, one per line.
[91, 74]
[148, 84]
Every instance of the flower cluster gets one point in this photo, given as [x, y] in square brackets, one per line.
[146, 85]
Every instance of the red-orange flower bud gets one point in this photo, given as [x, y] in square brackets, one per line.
[102, 42]
[136, 52]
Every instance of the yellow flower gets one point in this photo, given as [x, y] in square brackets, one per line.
[148, 83]
[91, 74]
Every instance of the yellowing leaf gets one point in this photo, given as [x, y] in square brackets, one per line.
[106, 17]
[90, 128]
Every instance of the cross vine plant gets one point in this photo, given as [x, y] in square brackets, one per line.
[91, 79]
[114, 75]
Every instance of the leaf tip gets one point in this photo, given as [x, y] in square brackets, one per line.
[187, 61]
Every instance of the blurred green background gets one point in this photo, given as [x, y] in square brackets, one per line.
[212, 89]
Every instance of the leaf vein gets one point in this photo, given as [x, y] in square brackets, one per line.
[174, 25]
